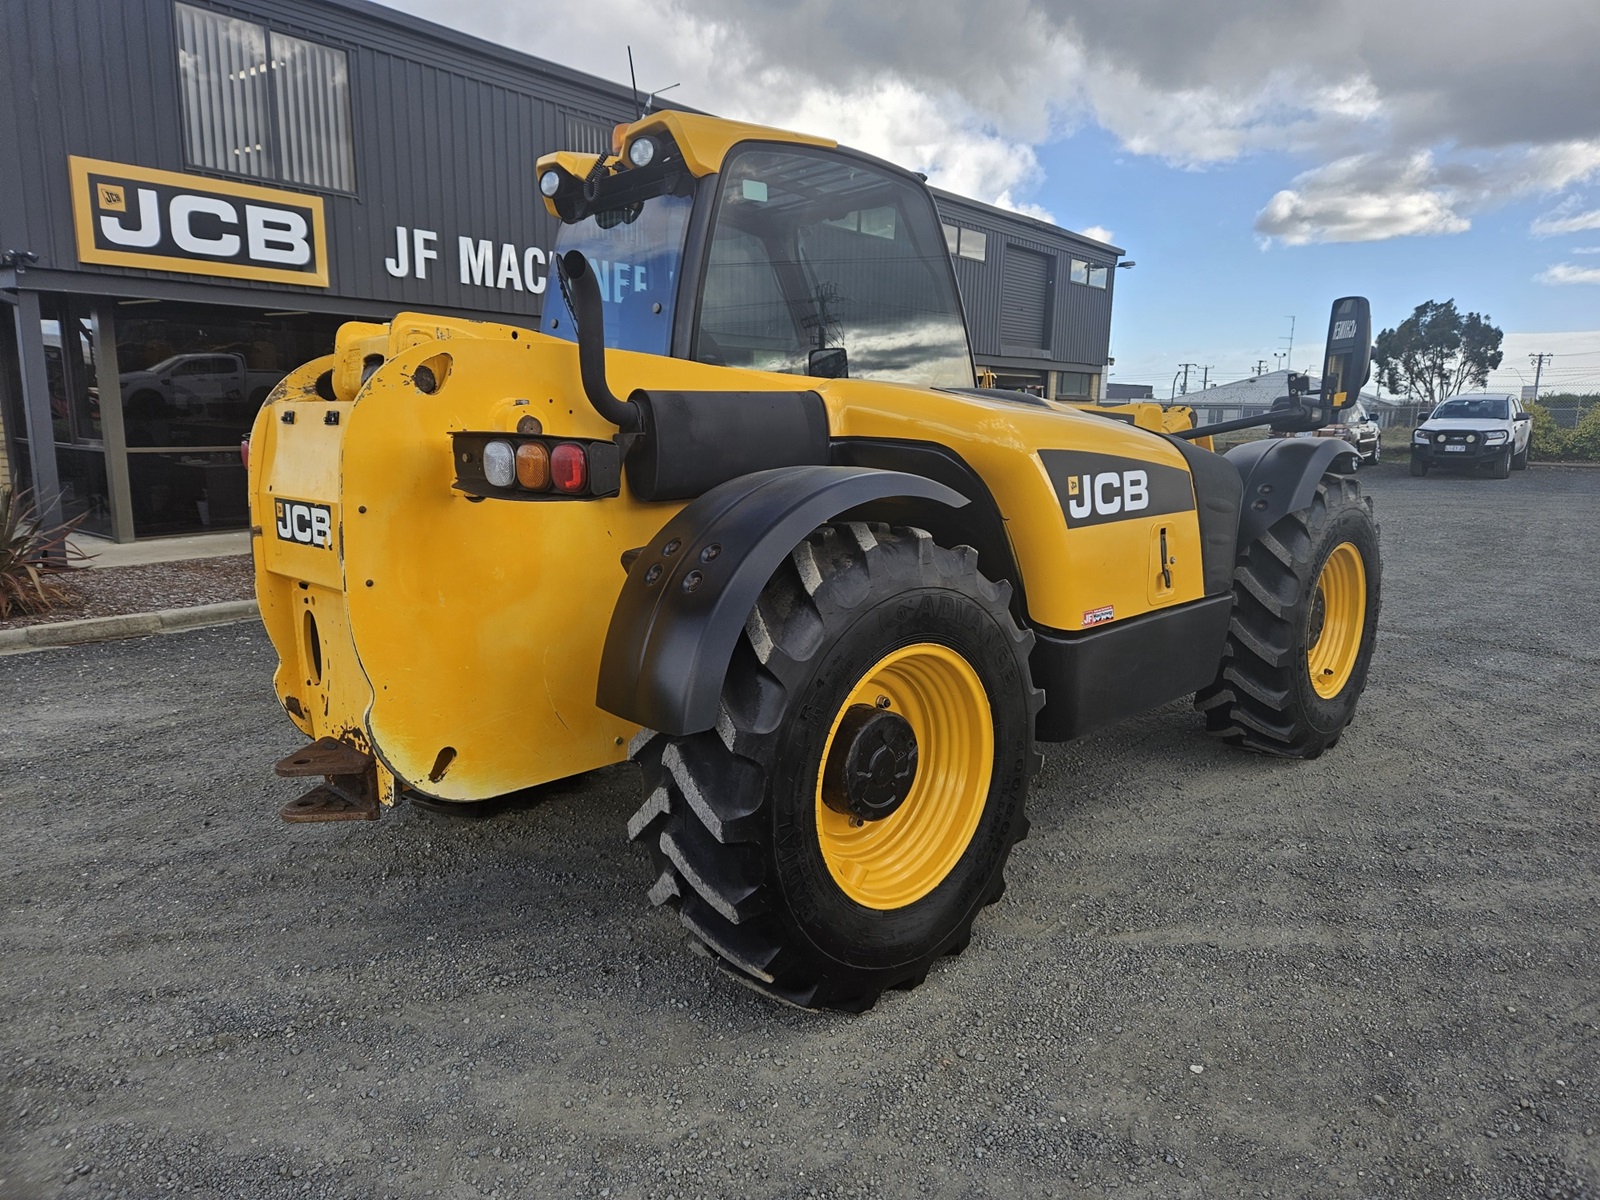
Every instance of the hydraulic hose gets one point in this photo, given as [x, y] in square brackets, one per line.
[583, 298]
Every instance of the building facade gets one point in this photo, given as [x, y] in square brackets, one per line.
[201, 193]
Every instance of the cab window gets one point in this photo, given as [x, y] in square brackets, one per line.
[811, 253]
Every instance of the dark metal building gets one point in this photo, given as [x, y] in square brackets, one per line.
[198, 194]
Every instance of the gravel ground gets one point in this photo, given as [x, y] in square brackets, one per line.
[1213, 974]
[115, 591]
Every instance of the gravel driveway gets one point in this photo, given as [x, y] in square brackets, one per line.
[1213, 974]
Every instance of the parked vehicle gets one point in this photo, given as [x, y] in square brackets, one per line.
[1469, 432]
[1355, 426]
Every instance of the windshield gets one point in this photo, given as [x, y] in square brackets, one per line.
[812, 253]
[1476, 408]
[636, 253]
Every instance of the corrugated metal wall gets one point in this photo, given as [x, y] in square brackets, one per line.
[1079, 316]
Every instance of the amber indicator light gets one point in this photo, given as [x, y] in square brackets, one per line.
[533, 466]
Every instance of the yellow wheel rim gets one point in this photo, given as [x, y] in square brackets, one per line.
[894, 862]
[1338, 617]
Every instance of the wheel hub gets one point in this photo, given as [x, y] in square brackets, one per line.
[872, 765]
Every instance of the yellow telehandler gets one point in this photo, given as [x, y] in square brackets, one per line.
[737, 511]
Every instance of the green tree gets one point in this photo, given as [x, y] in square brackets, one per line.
[1436, 352]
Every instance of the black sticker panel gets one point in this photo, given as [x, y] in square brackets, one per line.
[1097, 488]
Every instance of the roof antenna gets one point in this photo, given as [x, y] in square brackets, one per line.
[638, 109]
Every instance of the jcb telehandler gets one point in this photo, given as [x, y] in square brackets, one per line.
[738, 512]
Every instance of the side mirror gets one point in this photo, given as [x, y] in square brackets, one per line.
[832, 363]
[1347, 361]
[1524, 416]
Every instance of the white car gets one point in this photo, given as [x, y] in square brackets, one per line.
[1480, 429]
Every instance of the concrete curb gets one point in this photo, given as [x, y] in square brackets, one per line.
[104, 629]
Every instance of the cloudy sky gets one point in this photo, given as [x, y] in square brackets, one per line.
[1256, 158]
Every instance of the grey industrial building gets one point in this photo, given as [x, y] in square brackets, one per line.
[198, 194]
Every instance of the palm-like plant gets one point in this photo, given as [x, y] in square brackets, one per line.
[31, 556]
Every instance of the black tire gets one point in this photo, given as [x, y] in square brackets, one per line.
[1377, 452]
[734, 819]
[1418, 467]
[1265, 697]
[1501, 468]
[1519, 462]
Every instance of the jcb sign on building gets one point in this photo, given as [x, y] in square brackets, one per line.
[160, 220]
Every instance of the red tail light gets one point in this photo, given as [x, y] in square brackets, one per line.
[569, 469]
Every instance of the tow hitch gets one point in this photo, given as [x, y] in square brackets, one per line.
[350, 789]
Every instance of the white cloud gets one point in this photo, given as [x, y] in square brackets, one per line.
[1565, 219]
[1364, 198]
[1372, 197]
[1568, 273]
[1100, 234]
[1585, 250]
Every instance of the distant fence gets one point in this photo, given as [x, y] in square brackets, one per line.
[1567, 413]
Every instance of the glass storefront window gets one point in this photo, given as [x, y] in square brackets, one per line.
[192, 379]
[70, 368]
[84, 493]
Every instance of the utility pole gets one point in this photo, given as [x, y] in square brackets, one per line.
[1289, 354]
[1538, 369]
[1186, 366]
[1204, 378]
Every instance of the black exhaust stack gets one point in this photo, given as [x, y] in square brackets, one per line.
[582, 294]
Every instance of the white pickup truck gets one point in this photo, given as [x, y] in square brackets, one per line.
[1468, 432]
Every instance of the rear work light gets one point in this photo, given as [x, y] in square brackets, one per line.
[569, 468]
[528, 466]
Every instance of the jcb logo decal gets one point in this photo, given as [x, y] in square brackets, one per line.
[1096, 488]
[1108, 493]
[308, 524]
[159, 220]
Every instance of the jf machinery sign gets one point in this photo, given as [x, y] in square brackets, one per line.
[137, 217]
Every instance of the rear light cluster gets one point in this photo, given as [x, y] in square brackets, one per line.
[519, 467]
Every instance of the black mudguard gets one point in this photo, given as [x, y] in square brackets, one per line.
[1280, 476]
[689, 592]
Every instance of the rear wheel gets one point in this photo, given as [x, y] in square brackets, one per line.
[1305, 618]
[1519, 461]
[852, 812]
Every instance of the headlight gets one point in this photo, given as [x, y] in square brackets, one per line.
[1419, 436]
[641, 151]
[550, 183]
[1495, 436]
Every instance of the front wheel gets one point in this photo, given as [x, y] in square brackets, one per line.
[1418, 468]
[1377, 452]
[854, 808]
[1305, 618]
[1501, 467]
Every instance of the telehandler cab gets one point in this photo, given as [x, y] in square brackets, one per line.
[738, 512]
